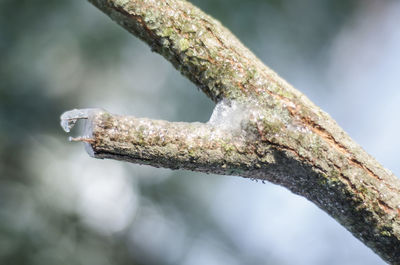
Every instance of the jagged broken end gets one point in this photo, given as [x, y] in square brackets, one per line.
[69, 119]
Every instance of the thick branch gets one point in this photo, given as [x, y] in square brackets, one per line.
[281, 137]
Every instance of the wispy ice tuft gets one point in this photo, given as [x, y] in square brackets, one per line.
[228, 115]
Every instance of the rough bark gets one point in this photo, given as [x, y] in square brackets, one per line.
[277, 134]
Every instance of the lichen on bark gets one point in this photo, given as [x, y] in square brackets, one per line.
[281, 137]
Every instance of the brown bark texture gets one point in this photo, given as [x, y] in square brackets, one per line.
[262, 128]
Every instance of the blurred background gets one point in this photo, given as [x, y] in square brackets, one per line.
[59, 206]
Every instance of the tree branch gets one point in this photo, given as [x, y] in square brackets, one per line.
[262, 128]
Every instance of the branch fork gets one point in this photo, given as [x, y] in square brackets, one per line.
[262, 128]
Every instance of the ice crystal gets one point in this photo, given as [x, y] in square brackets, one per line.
[69, 119]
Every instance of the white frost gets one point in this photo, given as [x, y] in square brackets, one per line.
[228, 115]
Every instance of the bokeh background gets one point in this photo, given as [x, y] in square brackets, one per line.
[59, 206]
